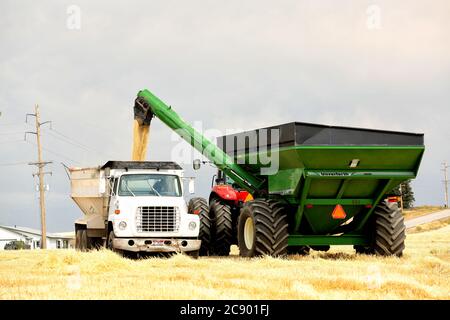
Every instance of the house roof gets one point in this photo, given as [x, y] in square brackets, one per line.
[25, 230]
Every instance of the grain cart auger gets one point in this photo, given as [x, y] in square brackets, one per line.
[330, 187]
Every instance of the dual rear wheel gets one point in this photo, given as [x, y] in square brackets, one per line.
[216, 226]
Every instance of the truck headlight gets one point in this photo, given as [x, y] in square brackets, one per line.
[122, 225]
[192, 225]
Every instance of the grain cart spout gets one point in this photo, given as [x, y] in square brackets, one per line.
[148, 106]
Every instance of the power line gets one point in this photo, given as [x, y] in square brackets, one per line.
[63, 137]
[10, 133]
[10, 124]
[9, 141]
[12, 164]
[54, 152]
[70, 142]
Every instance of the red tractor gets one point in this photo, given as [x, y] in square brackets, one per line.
[219, 219]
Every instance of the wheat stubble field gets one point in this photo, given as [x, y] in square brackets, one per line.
[423, 273]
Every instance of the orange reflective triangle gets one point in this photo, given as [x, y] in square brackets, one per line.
[338, 212]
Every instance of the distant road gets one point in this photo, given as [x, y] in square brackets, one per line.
[411, 223]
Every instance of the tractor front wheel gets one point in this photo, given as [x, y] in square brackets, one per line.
[262, 229]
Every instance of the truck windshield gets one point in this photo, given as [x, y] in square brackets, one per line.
[159, 185]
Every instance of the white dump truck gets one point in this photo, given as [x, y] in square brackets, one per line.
[134, 206]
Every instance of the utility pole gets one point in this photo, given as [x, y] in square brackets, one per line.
[40, 164]
[445, 166]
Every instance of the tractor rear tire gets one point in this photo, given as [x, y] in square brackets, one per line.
[262, 229]
[220, 213]
[199, 206]
[388, 227]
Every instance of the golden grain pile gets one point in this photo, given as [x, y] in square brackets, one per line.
[423, 273]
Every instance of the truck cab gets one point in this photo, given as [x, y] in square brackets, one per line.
[143, 209]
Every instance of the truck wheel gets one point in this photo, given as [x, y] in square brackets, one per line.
[220, 212]
[78, 240]
[388, 227]
[83, 240]
[110, 240]
[262, 229]
[199, 206]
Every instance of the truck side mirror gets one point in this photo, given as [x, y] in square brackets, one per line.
[196, 164]
[191, 186]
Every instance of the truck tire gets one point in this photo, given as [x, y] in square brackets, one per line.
[199, 206]
[262, 229]
[78, 239]
[220, 213]
[83, 240]
[109, 240]
[388, 231]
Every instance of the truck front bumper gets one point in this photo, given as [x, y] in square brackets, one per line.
[156, 245]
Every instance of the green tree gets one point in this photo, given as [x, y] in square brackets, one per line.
[16, 245]
[406, 192]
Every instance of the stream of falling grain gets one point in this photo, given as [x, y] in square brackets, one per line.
[140, 141]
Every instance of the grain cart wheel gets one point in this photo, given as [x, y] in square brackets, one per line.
[388, 229]
[199, 206]
[220, 212]
[262, 229]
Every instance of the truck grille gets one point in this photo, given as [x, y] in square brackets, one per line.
[158, 219]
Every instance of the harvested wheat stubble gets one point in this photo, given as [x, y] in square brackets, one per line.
[422, 273]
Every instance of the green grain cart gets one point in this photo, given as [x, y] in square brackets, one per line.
[329, 186]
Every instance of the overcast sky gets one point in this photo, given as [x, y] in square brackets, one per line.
[229, 64]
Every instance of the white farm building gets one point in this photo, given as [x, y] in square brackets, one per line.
[32, 237]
